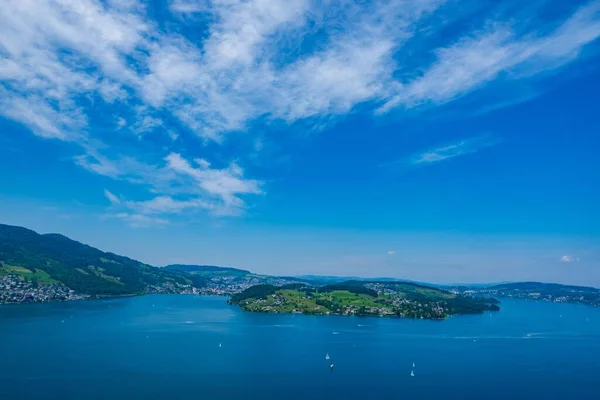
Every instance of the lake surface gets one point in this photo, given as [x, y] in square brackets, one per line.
[167, 347]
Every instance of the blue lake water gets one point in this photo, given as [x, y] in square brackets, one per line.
[167, 347]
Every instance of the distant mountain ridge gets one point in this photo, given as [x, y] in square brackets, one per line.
[206, 269]
[553, 292]
[541, 286]
[334, 279]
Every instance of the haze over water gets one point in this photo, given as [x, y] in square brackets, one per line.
[159, 347]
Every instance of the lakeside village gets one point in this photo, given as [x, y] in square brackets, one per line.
[17, 289]
[574, 297]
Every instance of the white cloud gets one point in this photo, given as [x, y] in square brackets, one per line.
[224, 186]
[480, 58]
[147, 124]
[189, 6]
[41, 118]
[121, 122]
[569, 259]
[165, 205]
[242, 27]
[356, 66]
[173, 135]
[61, 61]
[391, 252]
[111, 197]
[178, 185]
[236, 74]
[447, 151]
[139, 220]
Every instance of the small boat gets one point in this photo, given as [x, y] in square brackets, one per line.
[220, 344]
[327, 356]
[331, 367]
[413, 364]
[412, 373]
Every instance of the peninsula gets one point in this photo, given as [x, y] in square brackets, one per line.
[391, 299]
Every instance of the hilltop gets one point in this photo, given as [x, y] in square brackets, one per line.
[399, 299]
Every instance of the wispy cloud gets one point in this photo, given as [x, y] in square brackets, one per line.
[139, 220]
[447, 151]
[62, 61]
[121, 122]
[497, 51]
[111, 197]
[189, 6]
[569, 259]
[180, 186]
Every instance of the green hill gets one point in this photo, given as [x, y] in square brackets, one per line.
[361, 298]
[54, 258]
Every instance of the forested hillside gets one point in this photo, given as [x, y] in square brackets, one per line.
[52, 258]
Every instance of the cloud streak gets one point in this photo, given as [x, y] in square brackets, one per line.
[111, 197]
[569, 259]
[497, 51]
[456, 149]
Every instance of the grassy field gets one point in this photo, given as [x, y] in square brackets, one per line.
[100, 272]
[293, 300]
[346, 298]
[38, 274]
[286, 301]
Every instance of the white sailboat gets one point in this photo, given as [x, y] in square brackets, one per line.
[327, 356]
[413, 364]
[412, 373]
[220, 344]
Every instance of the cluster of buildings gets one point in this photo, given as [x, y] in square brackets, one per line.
[16, 289]
[270, 304]
[592, 299]
[230, 285]
[398, 306]
[172, 288]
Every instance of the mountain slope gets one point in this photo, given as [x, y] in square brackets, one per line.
[83, 268]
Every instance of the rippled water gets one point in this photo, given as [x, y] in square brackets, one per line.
[167, 347]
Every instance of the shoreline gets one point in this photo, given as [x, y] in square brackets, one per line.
[110, 297]
[115, 297]
[364, 315]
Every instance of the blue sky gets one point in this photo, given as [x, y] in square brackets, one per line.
[444, 141]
